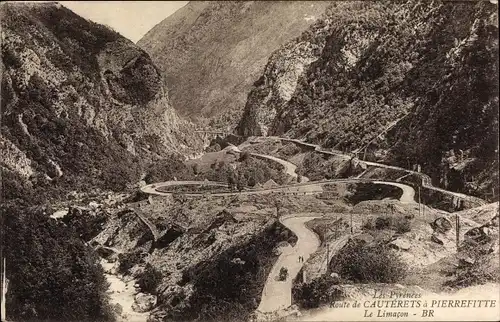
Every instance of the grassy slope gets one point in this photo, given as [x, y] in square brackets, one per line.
[207, 50]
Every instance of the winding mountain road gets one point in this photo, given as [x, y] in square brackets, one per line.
[408, 195]
[290, 168]
[312, 187]
[277, 294]
[426, 180]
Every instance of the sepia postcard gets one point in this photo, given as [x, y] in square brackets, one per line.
[167, 161]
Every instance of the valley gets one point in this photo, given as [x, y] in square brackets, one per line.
[249, 161]
[276, 297]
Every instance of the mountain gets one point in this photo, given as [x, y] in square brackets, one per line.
[82, 106]
[212, 51]
[411, 83]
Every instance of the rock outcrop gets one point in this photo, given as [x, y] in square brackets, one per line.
[387, 78]
[144, 302]
[79, 102]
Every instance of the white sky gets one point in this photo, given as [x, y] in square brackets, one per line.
[132, 19]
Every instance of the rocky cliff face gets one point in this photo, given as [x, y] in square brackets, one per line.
[211, 52]
[416, 70]
[79, 101]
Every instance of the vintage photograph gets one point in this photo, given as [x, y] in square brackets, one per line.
[167, 161]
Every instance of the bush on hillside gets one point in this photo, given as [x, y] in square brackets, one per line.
[129, 260]
[398, 223]
[149, 279]
[288, 150]
[171, 167]
[363, 263]
[482, 267]
[87, 224]
[229, 287]
[317, 292]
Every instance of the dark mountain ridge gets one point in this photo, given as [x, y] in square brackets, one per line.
[81, 105]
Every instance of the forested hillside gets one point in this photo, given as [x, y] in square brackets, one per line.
[52, 274]
[82, 106]
[212, 51]
[452, 130]
[351, 76]
[82, 109]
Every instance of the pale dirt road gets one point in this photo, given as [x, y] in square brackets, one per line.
[277, 294]
[426, 180]
[408, 195]
[290, 168]
[307, 187]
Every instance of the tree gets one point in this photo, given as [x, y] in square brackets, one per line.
[231, 181]
[241, 183]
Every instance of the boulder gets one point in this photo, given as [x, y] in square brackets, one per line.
[400, 243]
[335, 275]
[435, 238]
[144, 302]
[94, 205]
[59, 214]
[364, 238]
[480, 235]
[238, 261]
[442, 225]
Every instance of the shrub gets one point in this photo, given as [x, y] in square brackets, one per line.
[400, 224]
[149, 279]
[318, 291]
[368, 225]
[369, 263]
[403, 225]
[128, 260]
[383, 223]
[85, 223]
[244, 156]
[226, 289]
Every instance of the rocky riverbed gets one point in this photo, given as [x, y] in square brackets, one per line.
[122, 293]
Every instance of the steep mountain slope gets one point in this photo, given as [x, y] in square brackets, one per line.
[81, 104]
[211, 52]
[353, 75]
